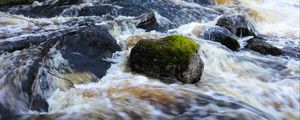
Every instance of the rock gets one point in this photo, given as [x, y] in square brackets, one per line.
[172, 58]
[14, 2]
[261, 46]
[149, 21]
[223, 36]
[62, 60]
[95, 10]
[238, 25]
[4, 113]
[146, 21]
[65, 2]
[203, 2]
[91, 46]
[175, 16]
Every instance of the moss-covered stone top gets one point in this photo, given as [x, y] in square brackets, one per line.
[170, 55]
[182, 44]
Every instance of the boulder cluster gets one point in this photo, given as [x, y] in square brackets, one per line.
[175, 59]
[229, 29]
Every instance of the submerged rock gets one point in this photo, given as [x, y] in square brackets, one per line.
[174, 104]
[172, 58]
[223, 36]
[292, 51]
[237, 24]
[261, 46]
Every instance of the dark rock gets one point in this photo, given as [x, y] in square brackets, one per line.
[79, 51]
[202, 2]
[170, 18]
[47, 9]
[261, 46]
[176, 14]
[223, 36]
[91, 46]
[37, 11]
[149, 21]
[95, 10]
[14, 2]
[238, 24]
[86, 48]
[146, 19]
[10, 46]
[66, 2]
[171, 58]
[4, 112]
[39, 103]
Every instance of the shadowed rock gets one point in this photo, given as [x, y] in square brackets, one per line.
[52, 62]
[237, 24]
[202, 2]
[149, 21]
[146, 20]
[95, 10]
[223, 36]
[261, 46]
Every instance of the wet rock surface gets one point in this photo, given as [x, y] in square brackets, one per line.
[223, 36]
[85, 49]
[48, 59]
[171, 58]
[149, 21]
[261, 46]
[172, 17]
[237, 24]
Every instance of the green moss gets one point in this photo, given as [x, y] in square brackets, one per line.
[175, 51]
[181, 44]
[167, 58]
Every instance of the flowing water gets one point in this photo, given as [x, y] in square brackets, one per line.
[234, 85]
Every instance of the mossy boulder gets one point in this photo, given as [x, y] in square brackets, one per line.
[170, 59]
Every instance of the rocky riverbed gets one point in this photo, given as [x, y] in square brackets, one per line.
[149, 59]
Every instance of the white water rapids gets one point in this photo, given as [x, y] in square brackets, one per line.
[268, 83]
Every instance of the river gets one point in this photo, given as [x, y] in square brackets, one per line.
[234, 85]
